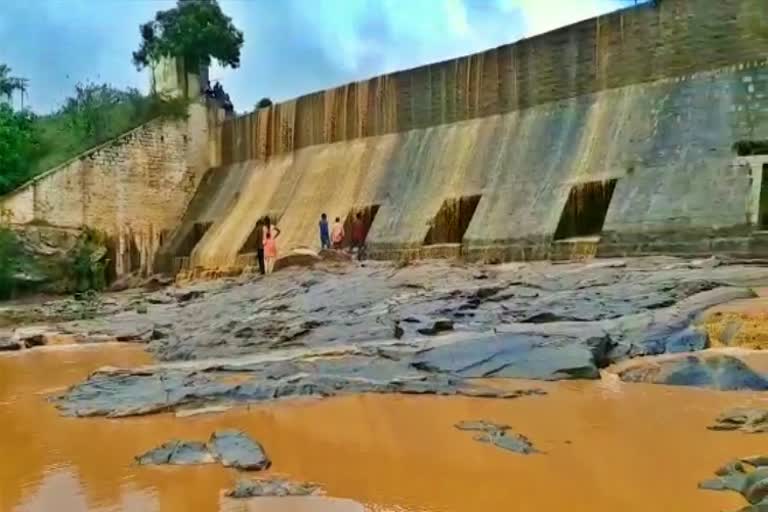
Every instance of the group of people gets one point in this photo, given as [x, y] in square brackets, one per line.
[331, 237]
[217, 93]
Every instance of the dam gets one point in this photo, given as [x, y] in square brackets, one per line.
[643, 131]
[614, 136]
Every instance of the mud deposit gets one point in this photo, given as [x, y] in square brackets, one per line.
[353, 380]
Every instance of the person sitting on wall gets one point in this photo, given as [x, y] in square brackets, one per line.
[325, 237]
[337, 234]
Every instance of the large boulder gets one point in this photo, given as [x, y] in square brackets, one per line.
[715, 371]
[298, 258]
[235, 449]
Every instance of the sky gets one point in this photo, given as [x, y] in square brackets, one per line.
[292, 47]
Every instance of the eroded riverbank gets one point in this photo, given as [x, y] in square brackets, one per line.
[607, 446]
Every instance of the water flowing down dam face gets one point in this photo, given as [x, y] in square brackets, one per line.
[524, 164]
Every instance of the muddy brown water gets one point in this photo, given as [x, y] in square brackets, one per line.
[608, 446]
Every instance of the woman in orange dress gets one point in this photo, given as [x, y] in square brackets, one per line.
[269, 238]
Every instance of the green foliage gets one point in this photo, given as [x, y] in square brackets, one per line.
[19, 144]
[264, 103]
[95, 114]
[88, 262]
[10, 84]
[11, 256]
[195, 31]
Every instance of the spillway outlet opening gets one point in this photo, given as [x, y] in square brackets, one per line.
[193, 237]
[253, 242]
[751, 147]
[763, 208]
[452, 220]
[585, 210]
[366, 214]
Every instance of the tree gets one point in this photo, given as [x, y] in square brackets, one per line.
[91, 111]
[10, 84]
[264, 103]
[195, 31]
[19, 145]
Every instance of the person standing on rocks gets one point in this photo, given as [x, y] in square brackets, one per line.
[358, 234]
[260, 246]
[269, 240]
[337, 234]
[325, 237]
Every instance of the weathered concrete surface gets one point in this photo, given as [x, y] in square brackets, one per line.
[274, 486]
[680, 190]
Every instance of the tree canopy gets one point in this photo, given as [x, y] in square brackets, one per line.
[10, 84]
[195, 31]
[19, 144]
[264, 103]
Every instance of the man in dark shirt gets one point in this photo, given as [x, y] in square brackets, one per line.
[260, 245]
[325, 235]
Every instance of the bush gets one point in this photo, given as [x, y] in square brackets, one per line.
[88, 262]
[19, 143]
[11, 256]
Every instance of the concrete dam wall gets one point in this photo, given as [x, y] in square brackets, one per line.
[613, 136]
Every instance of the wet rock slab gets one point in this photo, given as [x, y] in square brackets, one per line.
[714, 371]
[230, 448]
[271, 487]
[119, 393]
[751, 421]
[177, 453]
[514, 356]
[748, 477]
[498, 436]
[234, 449]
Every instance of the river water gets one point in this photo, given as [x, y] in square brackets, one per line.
[608, 446]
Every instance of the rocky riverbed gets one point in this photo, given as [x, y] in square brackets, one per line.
[433, 328]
